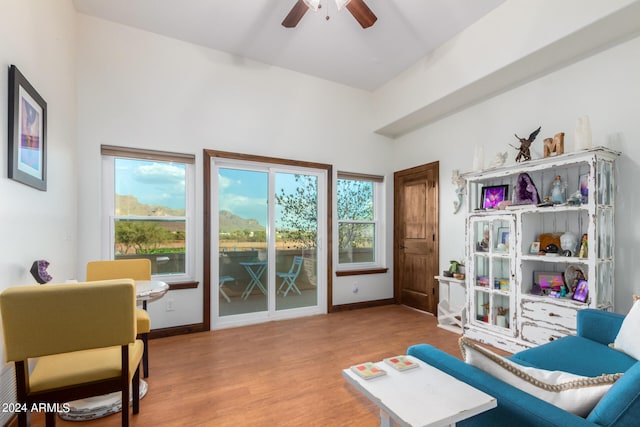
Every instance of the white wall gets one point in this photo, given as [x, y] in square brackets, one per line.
[138, 89]
[605, 86]
[39, 38]
[516, 42]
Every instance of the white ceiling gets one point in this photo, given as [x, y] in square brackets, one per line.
[337, 49]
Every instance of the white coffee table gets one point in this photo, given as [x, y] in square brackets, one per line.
[423, 396]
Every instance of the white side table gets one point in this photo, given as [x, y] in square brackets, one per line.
[450, 316]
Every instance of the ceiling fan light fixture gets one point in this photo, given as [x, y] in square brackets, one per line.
[341, 3]
[313, 4]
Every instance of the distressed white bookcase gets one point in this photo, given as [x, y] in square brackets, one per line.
[501, 309]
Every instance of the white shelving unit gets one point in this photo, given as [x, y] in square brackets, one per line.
[451, 316]
[503, 308]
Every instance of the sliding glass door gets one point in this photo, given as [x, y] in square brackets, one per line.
[267, 220]
[296, 240]
[243, 218]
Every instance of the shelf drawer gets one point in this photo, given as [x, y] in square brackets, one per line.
[549, 314]
[536, 334]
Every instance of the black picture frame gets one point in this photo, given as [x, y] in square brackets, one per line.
[27, 147]
[494, 194]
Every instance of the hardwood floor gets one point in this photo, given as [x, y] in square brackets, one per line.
[284, 373]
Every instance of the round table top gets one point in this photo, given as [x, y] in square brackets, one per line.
[150, 290]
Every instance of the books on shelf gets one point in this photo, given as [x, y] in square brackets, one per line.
[368, 370]
[400, 363]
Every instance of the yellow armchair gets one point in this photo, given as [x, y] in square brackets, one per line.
[84, 339]
[136, 269]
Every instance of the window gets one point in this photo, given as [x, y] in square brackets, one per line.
[149, 205]
[359, 209]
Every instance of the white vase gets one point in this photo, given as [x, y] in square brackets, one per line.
[478, 158]
[582, 134]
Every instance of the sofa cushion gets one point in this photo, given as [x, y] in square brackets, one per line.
[621, 405]
[577, 355]
[627, 339]
[573, 393]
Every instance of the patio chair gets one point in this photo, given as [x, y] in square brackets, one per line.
[222, 281]
[289, 278]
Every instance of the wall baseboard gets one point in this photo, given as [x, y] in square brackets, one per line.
[358, 305]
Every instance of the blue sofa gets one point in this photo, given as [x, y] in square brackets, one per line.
[586, 354]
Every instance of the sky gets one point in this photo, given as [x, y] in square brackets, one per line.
[151, 182]
[245, 192]
[242, 192]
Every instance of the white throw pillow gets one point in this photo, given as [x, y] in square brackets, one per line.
[627, 339]
[573, 393]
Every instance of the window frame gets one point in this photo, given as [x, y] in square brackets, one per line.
[109, 155]
[378, 221]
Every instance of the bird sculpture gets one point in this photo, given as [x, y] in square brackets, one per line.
[524, 152]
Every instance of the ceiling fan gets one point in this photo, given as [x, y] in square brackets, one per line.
[358, 9]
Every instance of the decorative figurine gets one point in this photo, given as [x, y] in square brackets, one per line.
[459, 183]
[524, 152]
[554, 146]
[557, 191]
[498, 160]
[39, 271]
[584, 247]
[569, 243]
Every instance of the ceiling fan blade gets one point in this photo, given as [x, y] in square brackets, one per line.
[362, 13]
[295, 14]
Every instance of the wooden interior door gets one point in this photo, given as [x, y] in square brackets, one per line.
[416, 237]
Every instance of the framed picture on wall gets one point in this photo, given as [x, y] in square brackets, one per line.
[27, 132]
[494, 194]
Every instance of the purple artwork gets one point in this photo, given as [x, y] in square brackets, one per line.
[582, 291]
[493, 195]
[526, 191]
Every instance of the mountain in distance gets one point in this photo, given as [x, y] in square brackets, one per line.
[129, 205]
[231, 222]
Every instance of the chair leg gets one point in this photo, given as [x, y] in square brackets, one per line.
[125, 391]
[23, 419]
[145, 354]
[224, 294]
[50, 419]
[136, 390]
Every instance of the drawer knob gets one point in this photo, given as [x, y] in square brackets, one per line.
[551, 338]
[553, 314]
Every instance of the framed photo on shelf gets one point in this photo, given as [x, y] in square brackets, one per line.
[27, 156]
[582, 291]
[584, 188]
[503, 236]
[535, 248]
[494, 194]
